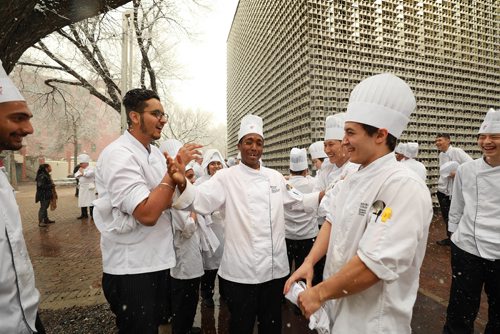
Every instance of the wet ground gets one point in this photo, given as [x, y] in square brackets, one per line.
[67, 263]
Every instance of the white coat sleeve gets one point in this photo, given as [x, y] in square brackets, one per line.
[463, 157]
[457, 202]
[297, 200]
[203, 199]
[89, 172]
[390, 240]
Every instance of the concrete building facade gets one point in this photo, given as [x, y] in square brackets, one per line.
[295, 62]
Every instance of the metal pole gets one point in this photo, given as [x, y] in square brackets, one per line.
[124, 68]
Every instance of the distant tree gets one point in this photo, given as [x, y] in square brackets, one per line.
[195, 126]
[25, 22]
[189, 126]
[89, 51]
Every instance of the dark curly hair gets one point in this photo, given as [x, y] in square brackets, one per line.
[135, 100]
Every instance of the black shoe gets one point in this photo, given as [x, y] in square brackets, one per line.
[195, 330]
[444, 242]
[82, 217]
[48, 221]
[208, 302]
[42, 224]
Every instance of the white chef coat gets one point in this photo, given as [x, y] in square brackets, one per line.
[392, 245]
[211, 260]
[86, 186]
[187, 247]
[445, 184]
[417, 167]
[254, 223]
[475, 209]
[125, 174]
[18, 296]
[336, 175]
[300, 225]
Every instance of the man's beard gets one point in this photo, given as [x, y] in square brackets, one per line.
[144, 130]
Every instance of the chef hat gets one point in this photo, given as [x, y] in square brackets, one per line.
[447, 168]
[189, 166]
[171, 146]
[251, 124]
[401, 148]
[83, 158]
[298, 159]
[231, 162]
[334, 127]
[8, 91]
[491, 123]
[317, 150]
[383, 101]
[411, 150]
[212, 155]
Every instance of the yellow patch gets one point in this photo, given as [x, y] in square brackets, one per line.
[386, 214]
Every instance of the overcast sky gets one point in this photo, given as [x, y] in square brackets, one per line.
[204, 62]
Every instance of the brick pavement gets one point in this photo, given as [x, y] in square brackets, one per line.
[67, 262]
[65, 255]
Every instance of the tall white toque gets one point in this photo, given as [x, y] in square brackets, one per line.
[491, 123]
[411, 150]
[8, 91]
[171, 146]
[83, 158]
[251, 124]
[298, 159]
[334, 127]
[383, 101]
[317, 150]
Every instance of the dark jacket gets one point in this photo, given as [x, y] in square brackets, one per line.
[44, 187]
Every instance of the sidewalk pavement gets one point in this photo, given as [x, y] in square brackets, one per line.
[67, 262]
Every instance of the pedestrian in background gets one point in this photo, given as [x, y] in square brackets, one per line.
[18, 296]
[86, 185]
[77, 167]
[214, 227]
[45, 193]
[447, 153]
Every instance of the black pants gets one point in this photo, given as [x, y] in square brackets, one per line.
[208, 284]
[470, 274]
[319, 267]
[444, 205]
[84, 211]
[297, 250]
[39, 325]
[42, 212]
[184, 302]
[246, 302]
[138, 301]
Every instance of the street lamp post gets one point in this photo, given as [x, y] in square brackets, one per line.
[126, 74]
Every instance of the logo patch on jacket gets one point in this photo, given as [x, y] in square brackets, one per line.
[275, 189]
[362, 209]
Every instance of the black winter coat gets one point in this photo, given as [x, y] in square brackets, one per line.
[44, 187]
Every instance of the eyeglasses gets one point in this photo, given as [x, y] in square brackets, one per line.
[159, 115]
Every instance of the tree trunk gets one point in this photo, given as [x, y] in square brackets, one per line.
[25, 22]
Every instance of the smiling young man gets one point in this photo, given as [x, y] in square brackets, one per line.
[378, 221]
[135, 193]
[254, 262]
[475, 224]
[18, 296]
